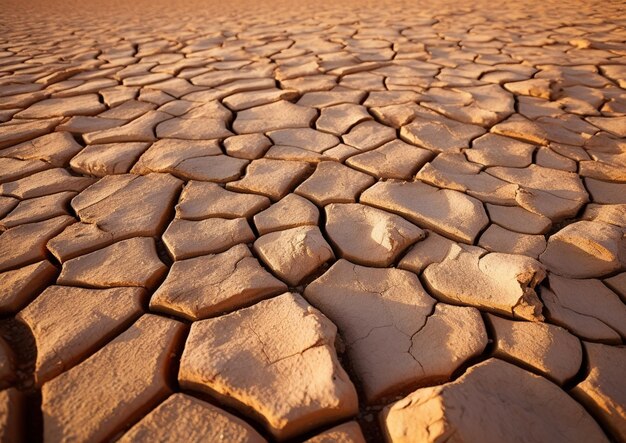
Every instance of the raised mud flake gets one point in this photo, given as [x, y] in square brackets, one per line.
[18, 131]
[432, 249]
[478, 105]
[502, 283]
[522, 129]
[87, 104]
[439, 134]
[70, 323]
[304, 138]
[106, 209]
[19, 286]
[176, 87]
[218, 168]
[367, 235]
[610, 170]
[604, 142]
[185, 418]
[562, 184]
[200, 200]
[547, 204]
[518, 219]
[395, 159]
[585, 307]
[153, 96]
[310, 83]
[612, 107]
[547, 349]
[390, 326]
[206, 286]
[138, 130]
[323, 99]
[169, 155]
[602, 391]
[14, 169]
[592, 249]
[450, 213]
[26, 244]
[222, 78]
[396, 116]
[191, 238]
[453, 175]
[16, 89]
[190, 160]
[606, 192]
[132, 262]
[129, 110]
[548, 158]
[125, 379]
[81, 125]
[568, 152]
[613, 125]
[37, 209]
[611, 214]
[341, 152]
[193, 129]
[346, 433]
[249, 99]
[294, 254]
[496, 150]
[498, 239]
[283, 115]
[55, 150]
[388, 98]
[455, 163]
[567, 129]
[616, 73]
[363, 81]
[272, 178]
[80, 87]
[276, 361]
[369, 135]
[141, 76]
[247, 146]
[333, 182]
[534, 108]
[536, 87]
[338, 119]
[515, 401]
[43, 183]
[552, 193]
[287, 70]
[280, 152]
[290, 212]
[118, 95]
[176, 108]
[108, 159]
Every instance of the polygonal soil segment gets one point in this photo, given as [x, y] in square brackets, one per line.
[509, 393]
[501, 283]
[275, 362]
[389, 325]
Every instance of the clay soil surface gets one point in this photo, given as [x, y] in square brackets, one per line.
[323, 221]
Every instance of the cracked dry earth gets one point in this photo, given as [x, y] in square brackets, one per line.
[313, 221]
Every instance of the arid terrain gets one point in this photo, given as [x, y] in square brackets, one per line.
[322, 221]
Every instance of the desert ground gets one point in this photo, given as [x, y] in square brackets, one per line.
[313, 220]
